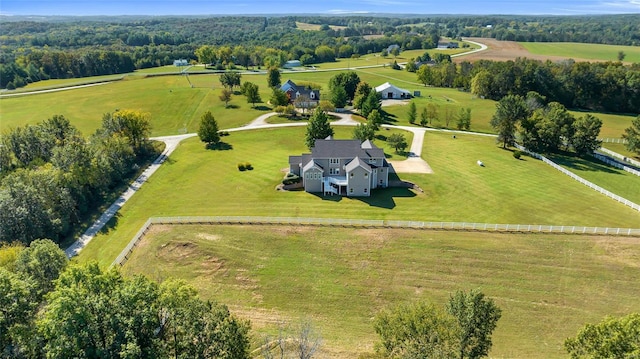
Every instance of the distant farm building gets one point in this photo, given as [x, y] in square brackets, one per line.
[181, 62]
[291, 64]
[448, 45]
[388, 91]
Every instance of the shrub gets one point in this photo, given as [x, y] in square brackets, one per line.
[248, 166]
[241, 167]
[291, 178]
[517, 154]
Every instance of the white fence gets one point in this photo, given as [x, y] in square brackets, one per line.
[449, 226]
[619, 156]
[616, 164]
[613, 140]
[593, 186]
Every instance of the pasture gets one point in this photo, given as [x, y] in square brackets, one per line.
[175, 107]
[548, 286]
[583, 51]
[196, 181]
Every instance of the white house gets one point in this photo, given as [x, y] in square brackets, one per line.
[388, 91]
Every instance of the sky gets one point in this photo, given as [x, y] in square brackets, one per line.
[227, 7]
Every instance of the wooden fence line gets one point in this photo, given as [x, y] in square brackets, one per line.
[449, 226]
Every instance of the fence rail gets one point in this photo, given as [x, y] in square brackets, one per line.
[591, 185]
[616, 164]
[450, 226]
[613, 140]
[619, 156]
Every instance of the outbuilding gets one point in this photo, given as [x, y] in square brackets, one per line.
[388, 91]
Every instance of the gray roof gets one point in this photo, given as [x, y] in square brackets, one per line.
[295, 160]
[311, 165]
[345, 149]
[357, 163]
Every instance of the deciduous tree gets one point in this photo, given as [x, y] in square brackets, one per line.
[317, 128]
[253, 93]
[225, 96]
[611, 338]
[464, 119]
[347, 80]
[398, 142]
[586, 130]
[339, 97]
[510, 110]
[230, 79]
[632, 135]
[477, 318]
[208, 130]
[418, 330]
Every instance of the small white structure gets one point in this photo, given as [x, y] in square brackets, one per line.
[181, 62]
[388, 91]
[291, 64]
[480, 163]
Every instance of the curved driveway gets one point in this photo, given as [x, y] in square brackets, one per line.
[414, 164]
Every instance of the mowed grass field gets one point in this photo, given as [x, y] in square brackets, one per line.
[583, 51]
[175, 107]
[199, 182]
[548, 286]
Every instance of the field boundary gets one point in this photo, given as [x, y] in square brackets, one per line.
[365, 223]
[589, 184]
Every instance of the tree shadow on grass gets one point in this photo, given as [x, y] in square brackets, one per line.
[220, 146]
[232, 106]
[590, 164]
[111, 224]
[389, 118]
[262, 108]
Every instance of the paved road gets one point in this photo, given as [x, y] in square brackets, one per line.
[53, 90]
[171, 143]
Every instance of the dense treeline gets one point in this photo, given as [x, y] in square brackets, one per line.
[68, 47]
[55, 310]
[603, 86]
[51, 177]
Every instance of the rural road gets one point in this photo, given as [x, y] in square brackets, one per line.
[171, 143]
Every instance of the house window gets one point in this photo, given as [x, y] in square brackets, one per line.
[372, 160]
[334, 171]
[334, 161]
[312, 95]
[352, 174]
[350, 190]
[366, 175]
[365, 190]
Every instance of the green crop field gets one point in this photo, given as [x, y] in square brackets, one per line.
[547, 286]
[583, 51]
[196, 181]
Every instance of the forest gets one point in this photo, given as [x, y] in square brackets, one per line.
[54, 47]
[52, 178]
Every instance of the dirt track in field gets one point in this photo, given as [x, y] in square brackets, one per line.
[505, 50]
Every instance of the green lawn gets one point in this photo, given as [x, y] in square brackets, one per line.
[618, 181]
[547, 286]
[175, 107]
[621, 149]
[195, 181]
[583, 51]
